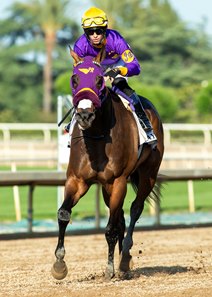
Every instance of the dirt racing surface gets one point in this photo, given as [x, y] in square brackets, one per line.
[166, 263]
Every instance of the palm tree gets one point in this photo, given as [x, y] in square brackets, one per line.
[49, 17]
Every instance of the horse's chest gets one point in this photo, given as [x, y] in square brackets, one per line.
[104, 165]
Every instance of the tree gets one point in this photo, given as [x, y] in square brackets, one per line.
[34, 36]
[204, 100]
[169, 51]
[48, 15]
[34, 52]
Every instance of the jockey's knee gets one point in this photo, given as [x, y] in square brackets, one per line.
[119, 80]
[122, 84]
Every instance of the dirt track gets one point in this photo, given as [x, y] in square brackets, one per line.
[166, 263]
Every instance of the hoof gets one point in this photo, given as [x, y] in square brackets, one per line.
[126, 263]
[109, 273]
[59, 270]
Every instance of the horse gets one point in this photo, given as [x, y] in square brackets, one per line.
[104, 149]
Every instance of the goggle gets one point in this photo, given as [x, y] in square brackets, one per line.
[96, 21]
[98, 31]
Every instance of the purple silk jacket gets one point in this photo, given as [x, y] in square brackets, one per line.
[118, 52]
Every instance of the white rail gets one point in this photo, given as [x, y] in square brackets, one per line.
[177, 153]
[206, 129]
[55, 178]
[47, 128]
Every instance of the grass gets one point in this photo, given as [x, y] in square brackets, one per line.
[175, 199]
[175, 196]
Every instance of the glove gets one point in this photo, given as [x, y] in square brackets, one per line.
[112, 72]
[123, 70]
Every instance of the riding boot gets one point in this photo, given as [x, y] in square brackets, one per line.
[143, 119]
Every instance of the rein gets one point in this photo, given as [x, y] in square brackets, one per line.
[65, 116]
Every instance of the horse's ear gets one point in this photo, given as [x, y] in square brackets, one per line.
[101, 55]
[74, 55]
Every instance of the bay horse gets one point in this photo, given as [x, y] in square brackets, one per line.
[104, 149]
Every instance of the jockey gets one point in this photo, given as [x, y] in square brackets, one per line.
[119, 62]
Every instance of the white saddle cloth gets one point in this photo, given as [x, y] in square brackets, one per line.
[142, 134]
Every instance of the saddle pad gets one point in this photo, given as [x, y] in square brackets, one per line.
[141, 132]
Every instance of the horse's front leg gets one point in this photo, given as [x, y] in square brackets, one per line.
[74, 190]
[114, 230]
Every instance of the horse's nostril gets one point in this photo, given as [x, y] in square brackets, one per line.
[85, 118]
[84, 115]
[90, 115]
[81, 115]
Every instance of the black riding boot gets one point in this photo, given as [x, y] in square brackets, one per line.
[143, 119]
[121, 84]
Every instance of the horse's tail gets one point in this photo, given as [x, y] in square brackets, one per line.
[155, 194]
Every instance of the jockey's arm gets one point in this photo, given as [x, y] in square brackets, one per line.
[127, 64]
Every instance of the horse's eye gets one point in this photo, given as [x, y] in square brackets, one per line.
[75, 81]
[99, 81]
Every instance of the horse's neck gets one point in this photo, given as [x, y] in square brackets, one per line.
[104, 119]
[106, 113]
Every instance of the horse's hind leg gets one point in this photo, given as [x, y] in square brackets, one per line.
[144, 189]
[73, 192]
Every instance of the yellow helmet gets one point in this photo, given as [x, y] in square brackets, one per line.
[94, 17]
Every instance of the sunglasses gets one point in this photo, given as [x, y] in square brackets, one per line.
[91, 31]
[96, 21]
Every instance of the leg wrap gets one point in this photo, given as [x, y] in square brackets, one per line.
[63, 215]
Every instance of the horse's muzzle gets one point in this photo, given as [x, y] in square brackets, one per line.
[84, 119]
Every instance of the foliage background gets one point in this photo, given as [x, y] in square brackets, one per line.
[35, 65]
